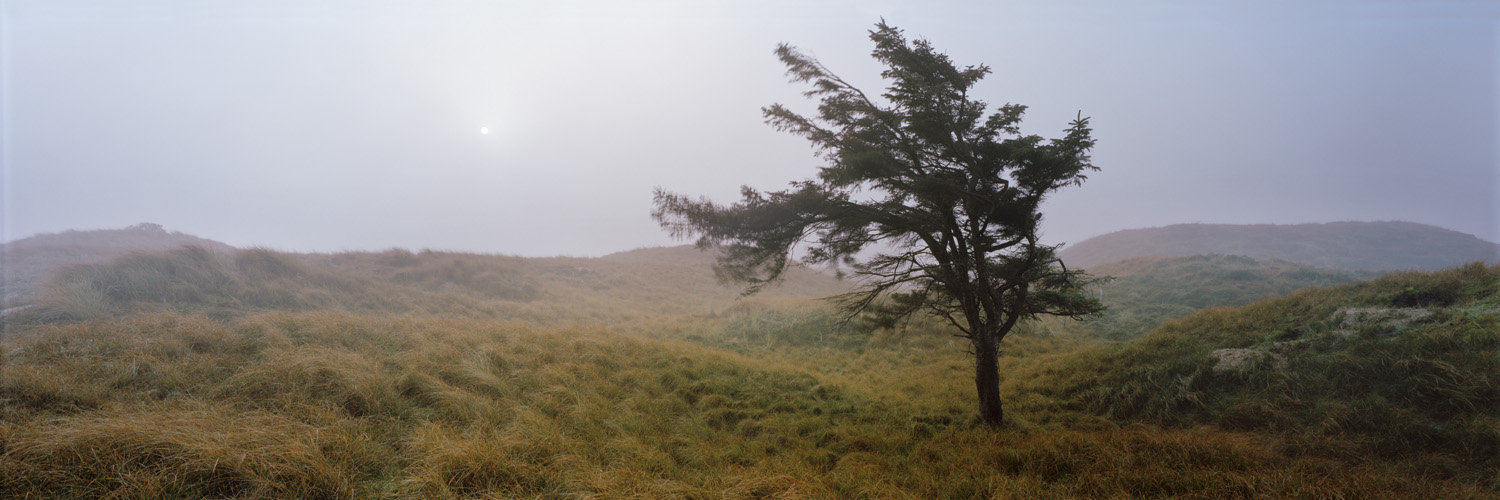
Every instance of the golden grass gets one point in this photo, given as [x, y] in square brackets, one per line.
[180, 450]
[435, 375]
[335, 405]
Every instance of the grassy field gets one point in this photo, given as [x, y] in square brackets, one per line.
[264, 375]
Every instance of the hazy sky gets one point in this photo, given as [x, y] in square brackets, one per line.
[355, 125]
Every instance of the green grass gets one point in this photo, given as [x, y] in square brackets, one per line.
[1426, 392]
[1148, 291]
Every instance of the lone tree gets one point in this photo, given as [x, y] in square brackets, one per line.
[932, 204]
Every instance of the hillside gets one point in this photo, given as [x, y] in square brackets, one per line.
[1405, 366]
[1344, 245]
[1147, 291]
[25, 263]
[624, 287]
[197, 373]
[671, 280]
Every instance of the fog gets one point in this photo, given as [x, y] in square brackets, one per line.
[328, 126]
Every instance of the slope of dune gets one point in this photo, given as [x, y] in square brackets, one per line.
[26, 262]
[1344, 245]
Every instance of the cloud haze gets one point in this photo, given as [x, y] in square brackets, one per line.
[325, 126]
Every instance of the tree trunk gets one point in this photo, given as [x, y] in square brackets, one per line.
[987, 379]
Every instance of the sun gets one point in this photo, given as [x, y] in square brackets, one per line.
[484, 131]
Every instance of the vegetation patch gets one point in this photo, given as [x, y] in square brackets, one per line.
[400, 397]
[1350, 363]
[1148, 291]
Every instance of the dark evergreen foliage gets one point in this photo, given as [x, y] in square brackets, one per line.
[933, 204]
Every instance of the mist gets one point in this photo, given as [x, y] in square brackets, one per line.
[357, 125]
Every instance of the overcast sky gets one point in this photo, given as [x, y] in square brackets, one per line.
[355, 125]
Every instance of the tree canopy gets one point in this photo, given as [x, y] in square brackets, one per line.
[932, 200]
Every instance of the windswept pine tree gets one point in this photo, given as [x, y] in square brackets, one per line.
[934, 204]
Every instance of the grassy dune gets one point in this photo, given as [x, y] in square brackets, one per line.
[372, 385]
[1147, 291]
[623, 288]
[1406, 367]
[25, 264]
[1388, 246]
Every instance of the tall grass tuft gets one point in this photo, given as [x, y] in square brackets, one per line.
[177, 451]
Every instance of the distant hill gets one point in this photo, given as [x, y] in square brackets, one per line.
[224, 282]
[26, 262]
[1345, 245]
[632, 284]
[147, 264]
[1147, 291]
